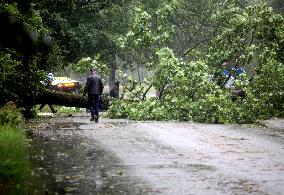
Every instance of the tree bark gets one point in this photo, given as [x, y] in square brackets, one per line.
[62, 98]
[112, 84]
[69, 99]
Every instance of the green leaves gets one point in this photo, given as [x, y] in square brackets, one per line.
[10, 116]
[86, 63]
[250, 37]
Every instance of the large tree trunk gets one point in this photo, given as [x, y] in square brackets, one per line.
[69, 99]
[62, 98]
[112, 85]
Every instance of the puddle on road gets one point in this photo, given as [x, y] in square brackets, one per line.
[66, 163]
[187, 167]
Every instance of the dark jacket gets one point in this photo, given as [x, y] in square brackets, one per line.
[94, 85]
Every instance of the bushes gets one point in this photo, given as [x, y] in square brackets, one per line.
[14, 165]
[10, 115]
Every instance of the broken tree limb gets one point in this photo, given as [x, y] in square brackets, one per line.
[62, 98]
[68, 99]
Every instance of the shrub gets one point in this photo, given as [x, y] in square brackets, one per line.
[10, 115]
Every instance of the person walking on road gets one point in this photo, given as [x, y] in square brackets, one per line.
[94, 87]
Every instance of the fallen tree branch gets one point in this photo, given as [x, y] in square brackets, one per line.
[61, 98]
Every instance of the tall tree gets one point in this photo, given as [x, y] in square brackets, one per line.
[85, 29]
[23, 43]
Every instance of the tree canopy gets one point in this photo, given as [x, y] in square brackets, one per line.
[191, 50]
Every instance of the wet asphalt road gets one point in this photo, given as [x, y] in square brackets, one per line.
[72, 155]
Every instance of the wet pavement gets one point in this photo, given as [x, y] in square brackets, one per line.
[67, 163]
[72, 155]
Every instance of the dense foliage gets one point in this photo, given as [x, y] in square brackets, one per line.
[39, 36]
[22, 49]
[185, 46]
[193, 87]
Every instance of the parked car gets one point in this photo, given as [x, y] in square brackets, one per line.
[65, 84]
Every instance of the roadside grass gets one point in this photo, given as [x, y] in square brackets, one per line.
[14, 164]
[61, 110]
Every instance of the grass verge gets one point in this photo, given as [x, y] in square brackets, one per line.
[14, 163]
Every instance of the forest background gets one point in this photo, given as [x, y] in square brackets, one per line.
[173, 60]
[185, 46]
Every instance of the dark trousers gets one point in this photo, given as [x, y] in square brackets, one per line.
[94, 104]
